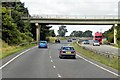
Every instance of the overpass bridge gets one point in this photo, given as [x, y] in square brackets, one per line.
[72, 20]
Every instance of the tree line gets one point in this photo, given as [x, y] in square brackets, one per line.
[87, 33]
[118, 35]
[62, 31]
[14, 29]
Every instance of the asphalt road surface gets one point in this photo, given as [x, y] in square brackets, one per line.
[45, 63]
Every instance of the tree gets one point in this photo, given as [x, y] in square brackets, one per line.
[87, 33]
[44, 32]
[9, 28]
[109, 34]
[62, 31]
[76, 34]
[118, 35]
[14, 30]
[73, 34]
[52, 33]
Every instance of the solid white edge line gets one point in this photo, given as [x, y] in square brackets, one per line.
[59, 76]
[15, 58]
[99, 66]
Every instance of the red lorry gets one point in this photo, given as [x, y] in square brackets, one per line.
[98, 36]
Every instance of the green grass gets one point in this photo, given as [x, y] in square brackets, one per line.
[7, 50]
[62, 38]
[114, 62]
[52, 39]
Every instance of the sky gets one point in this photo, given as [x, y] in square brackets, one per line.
[74, 8]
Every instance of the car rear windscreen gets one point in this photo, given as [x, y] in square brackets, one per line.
[42, 42]
[68, 48]
[96, 41]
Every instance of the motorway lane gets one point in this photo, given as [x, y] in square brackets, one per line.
[102, 48]
[33, 64]
[36, 63]
[71, 68]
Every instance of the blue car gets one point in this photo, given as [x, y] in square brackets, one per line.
[42, 44]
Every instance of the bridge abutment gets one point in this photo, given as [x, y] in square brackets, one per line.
[115, 33]
[38, 28]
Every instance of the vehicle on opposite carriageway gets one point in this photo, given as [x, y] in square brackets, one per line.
[85, 42]
[96, 43]
[98, 36]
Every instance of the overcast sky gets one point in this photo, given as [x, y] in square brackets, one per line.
[74, 7]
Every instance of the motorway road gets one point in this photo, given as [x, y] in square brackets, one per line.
[102, 48]
[44, 63]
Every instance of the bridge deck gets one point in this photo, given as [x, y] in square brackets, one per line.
[73, 21]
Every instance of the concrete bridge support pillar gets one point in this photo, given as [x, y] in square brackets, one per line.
[115, 33]
[38, 27]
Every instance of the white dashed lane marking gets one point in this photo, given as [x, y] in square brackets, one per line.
[59, 76]
[51, 61]
[50, 57]
[54, 66]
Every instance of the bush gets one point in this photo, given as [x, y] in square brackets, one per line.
[25, 38]
[47, 39]
[106, 42]
[118, 42]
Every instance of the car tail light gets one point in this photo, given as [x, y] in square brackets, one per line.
[62, 52]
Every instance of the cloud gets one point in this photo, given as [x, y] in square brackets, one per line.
[72, 7]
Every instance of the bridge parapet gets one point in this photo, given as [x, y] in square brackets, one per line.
[76, 16]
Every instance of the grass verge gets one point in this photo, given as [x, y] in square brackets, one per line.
[13, 49]
[114, 62]
[52, 39]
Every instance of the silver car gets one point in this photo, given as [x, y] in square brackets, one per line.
[96, 43]
[67, 51]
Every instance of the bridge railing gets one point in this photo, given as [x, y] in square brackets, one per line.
[77, 16]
